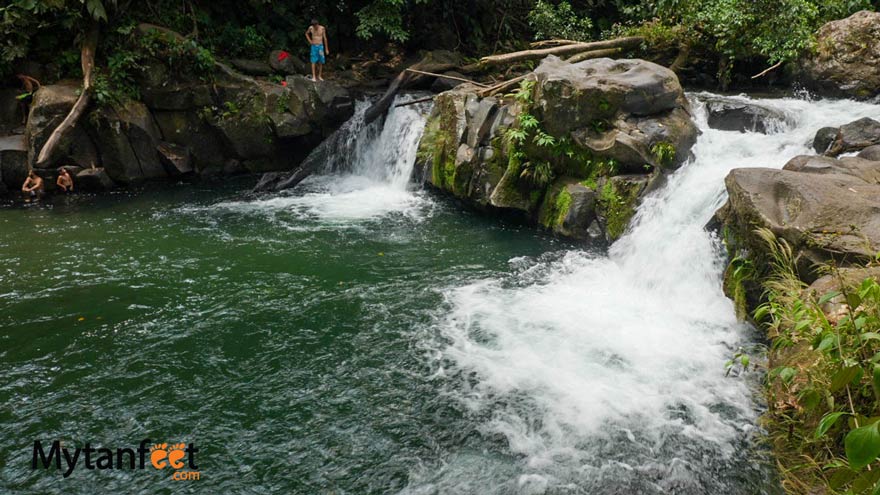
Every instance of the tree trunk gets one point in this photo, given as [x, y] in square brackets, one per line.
[406, 78]
[49, 152]
[682, 58]
[509, 58]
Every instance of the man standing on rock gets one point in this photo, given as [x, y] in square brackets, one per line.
[317, 36]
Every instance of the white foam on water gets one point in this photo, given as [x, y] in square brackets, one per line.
[606, 372]
[365, 173]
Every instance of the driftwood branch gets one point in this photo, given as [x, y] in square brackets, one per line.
[415, 102]
[546, 43]
[508, 58]
[444, 76]
[580, 57]
[502, 86]
[768, 69]
[406, 78]
[87, 55]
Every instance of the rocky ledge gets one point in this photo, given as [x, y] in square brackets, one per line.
[573, 150]
[221, 123]
[825, 208]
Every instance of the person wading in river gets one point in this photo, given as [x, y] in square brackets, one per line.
[316, 34]
[65, 181]
[33, 185]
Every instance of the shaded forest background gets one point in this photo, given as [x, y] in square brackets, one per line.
[721, 37]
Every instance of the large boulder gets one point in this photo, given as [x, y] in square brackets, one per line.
[846, 58]
[51, 105]
[855, 136]
[93, 180]
[190, 130]
[823, 139]
[176, 159]
[574, 96]
[867, 170]
[127, 138]
[251, 67]
[821, 215]
[731, 114]
[582, 126]
[326, 103]
[870, 153]
[178, 96]
[286, 63]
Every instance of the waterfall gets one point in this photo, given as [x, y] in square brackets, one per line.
[363, 172]
[383, 151]
[604, 372]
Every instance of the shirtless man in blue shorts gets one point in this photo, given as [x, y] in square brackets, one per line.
[317, 36]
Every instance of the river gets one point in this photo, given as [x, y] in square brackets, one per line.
[359, 336]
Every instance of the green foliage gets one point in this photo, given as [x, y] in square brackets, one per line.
[559, 21]
[740, 271]
[385, 17]
[664, 153]
[246, 41]
[618, 205]
[537, 173]
[830, 397]
[737, 29]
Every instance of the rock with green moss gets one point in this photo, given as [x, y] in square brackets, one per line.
[569, 209]
[545, 152]
[616, 202]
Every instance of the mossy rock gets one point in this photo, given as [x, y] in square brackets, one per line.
[617, 201]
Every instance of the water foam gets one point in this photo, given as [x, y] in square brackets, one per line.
[364, 173]
[605, 373]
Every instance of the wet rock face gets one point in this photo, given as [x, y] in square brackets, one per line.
[729, 114]
[846, 59]
[855, 136]
[870, 153]
[824, 137]
[127, 139]
[50, 106]
[596, 134]
[93, 180]
[825, 208]
[866, 170]
[185, 124]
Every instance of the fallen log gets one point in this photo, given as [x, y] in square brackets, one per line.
[502, 86]
[508, 58]
[580, 57]
[49, 151]
[444, 76]
[414, 102]
[545, 43]
[403, 80]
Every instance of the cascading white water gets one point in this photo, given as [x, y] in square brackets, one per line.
[604, 373]
[364, 173]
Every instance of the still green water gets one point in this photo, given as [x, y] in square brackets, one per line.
[284, 337]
